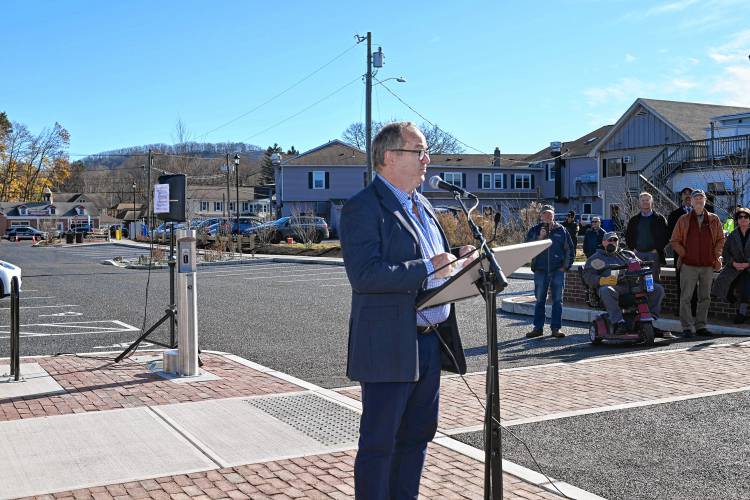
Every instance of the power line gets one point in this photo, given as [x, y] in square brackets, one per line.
[280, 93]
[425, 119]
[305, 109]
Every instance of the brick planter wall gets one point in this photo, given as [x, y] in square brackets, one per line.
[574, 294]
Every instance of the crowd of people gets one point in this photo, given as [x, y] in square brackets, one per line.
[700, 243]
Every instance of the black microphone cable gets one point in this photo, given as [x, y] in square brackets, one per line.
[479, 400]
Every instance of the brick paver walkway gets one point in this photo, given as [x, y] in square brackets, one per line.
[447, 475]
[550, 389]
[95, 384]
[98, 384]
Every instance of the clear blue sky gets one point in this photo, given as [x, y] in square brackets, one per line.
[510, 74]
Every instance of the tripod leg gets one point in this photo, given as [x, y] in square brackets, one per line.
[140, 339]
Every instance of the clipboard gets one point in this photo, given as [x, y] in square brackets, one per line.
[462, 285]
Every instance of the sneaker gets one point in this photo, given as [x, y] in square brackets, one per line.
[666, 334]
[687, 334]
[557, 333]
[534, 333]
[703, 332]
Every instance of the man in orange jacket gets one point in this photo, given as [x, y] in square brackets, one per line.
[698, 240]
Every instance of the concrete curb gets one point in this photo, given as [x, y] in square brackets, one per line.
[525, 304]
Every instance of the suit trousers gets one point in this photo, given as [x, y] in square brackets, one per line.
[398, 420]
[692, 277]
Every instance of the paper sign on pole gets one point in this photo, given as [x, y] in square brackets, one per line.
[161, 198]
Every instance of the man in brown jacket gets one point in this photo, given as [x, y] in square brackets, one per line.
[698, 240]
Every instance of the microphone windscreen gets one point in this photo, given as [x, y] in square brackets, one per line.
[435, 182]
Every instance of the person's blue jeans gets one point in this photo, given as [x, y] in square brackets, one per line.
[543, 281]
[398, 420]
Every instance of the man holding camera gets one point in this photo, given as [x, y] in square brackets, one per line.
[598, 276]
[549, 270]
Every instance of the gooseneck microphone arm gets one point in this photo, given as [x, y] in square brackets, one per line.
[437, 183]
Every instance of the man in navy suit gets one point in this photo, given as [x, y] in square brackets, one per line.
[393, 247]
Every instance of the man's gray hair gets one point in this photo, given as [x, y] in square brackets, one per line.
[391, 136]
[647, 195]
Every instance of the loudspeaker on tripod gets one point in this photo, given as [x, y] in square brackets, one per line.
[177, 187]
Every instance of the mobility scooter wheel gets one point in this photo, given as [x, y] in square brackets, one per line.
[647, 333]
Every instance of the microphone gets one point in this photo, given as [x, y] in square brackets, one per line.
[437, 183]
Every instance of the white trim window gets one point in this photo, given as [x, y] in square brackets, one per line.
[486, 181]
[319, 179]
[246, 207]
[522, 181]
[499, 181]
[218, 206]
[204, 206]
[454, 178]
[550, 171]
[232, 206]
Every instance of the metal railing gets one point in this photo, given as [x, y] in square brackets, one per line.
[717, 152]
[15, 331]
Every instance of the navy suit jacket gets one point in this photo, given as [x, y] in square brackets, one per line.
[385, 268]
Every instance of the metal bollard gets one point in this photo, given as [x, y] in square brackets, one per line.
[15, 331]
[187, 304]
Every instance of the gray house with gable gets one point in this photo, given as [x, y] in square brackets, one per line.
[644, 149]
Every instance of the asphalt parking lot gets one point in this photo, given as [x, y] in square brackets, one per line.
[293, 317]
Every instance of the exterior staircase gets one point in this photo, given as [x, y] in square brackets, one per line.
[720, 152]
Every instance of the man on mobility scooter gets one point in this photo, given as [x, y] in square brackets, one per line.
[618, 279]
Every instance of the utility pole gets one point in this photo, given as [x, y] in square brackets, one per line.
[148, 192]
[226, 164]
[237, 188]
[368, 107]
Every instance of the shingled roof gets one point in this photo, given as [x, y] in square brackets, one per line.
[576, 148]
[332, 153]
[691, 118]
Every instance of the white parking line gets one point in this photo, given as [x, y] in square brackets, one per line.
[40, 307]
[294, 276]
[252, 269]
[342, 284]
[314, 279]
[71, 328]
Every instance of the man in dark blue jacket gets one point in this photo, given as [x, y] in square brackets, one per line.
[592, 240]
[549, 270]
[394, 247]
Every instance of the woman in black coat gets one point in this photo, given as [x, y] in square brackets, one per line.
[735, 276]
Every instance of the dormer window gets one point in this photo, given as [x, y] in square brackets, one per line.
[23, 210]
[80, 210]
[52, 210]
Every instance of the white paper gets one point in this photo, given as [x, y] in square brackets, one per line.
[161, 198]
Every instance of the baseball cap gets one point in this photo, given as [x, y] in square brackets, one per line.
[610, 235]
[698, 192]
[687, 188]
[548, 208]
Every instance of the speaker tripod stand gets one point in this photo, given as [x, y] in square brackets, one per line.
[170, 314]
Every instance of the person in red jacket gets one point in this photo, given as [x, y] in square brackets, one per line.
[698, 240]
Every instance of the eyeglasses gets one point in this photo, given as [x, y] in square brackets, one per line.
[743, 216]
[421, 152]
[614, 239]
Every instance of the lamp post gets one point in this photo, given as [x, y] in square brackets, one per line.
[237, 187]
[133, 228]
[226, 205]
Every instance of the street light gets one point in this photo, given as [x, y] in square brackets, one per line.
[237, 187]
[133, 228]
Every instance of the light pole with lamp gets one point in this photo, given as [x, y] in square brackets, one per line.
[237, 188]
[131, 230]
